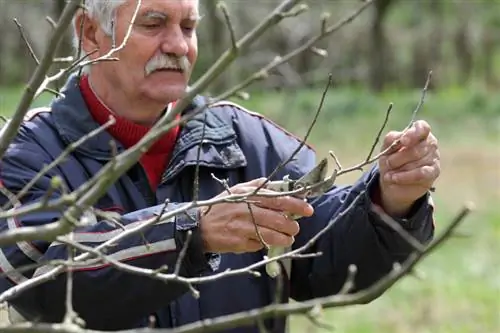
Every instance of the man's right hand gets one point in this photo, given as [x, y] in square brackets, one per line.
[230, 227]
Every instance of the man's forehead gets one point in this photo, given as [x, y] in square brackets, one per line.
[164, 8]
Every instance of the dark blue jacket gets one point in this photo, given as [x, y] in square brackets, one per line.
[240, 146]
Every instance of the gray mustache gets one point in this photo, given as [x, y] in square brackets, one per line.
[168, 62]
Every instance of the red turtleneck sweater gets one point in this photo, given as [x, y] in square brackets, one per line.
[129, 133]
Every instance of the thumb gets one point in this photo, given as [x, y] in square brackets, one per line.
[390, 138]
[255, 182]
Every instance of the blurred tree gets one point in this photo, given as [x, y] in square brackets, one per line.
[489, 41]
[427, 47]
[65, 47]
[216, 42]
[379, 45]
[463, 43]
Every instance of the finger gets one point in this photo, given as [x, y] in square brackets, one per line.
[390, 138]
[420, 176]
[277, 221]
[254, 182]
[253, 245]
[250, 231]
[410, 155]
[284, 203]
[272, 237]
[429, 160]
[287, 204]
[419, 131]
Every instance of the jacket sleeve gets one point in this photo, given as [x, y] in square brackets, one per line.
[103, 296]
[360, 237]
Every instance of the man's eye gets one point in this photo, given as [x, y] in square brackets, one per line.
[151, 25]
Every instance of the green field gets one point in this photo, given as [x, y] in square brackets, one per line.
[460, 286]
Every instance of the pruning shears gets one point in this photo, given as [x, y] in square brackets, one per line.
[313, 184]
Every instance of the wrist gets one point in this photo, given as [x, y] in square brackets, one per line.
[394, 207]
[390, 205]
[189, 234]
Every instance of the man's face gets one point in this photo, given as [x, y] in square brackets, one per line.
[163, 35]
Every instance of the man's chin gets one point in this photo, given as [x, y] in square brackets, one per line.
[166, 95]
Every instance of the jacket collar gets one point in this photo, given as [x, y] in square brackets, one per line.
[73, 121]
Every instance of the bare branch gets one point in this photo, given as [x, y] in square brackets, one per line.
[10, 130]
[114, 49]
[86, 195]
[379, 134]
[395, 143]
[422, 98]
[324, 32]
[26, 41]
[359, 297]
[302, 143]
[278, 310]
[227, 18]
[70, 148]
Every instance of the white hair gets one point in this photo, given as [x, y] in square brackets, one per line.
[103, 11]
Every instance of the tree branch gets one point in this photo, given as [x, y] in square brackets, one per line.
[10, 130]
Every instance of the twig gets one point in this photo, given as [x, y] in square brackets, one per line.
[395, 143]
[359, 297]
[29, 92]
[89, 192]
[257, 231]
[51, 21]
[227, 18]
[279, 310]
[25, 39]
[196, 182]
[69, 149]
[62, 224]
[422, 98]
[122, 44]
[303, 141]
[379, 134]
[263, 72]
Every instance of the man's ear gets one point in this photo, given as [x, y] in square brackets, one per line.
[86, 32]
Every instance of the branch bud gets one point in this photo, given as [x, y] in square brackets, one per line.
[221, 5]
[261, 75]
[56, 182]
[316, 311]
[324, 21]
[242, 95]
[295, 11]
[276, 60]
[320, 52]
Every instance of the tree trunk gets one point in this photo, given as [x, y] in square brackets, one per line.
[217, 38]
[378, 63]
[65, 48]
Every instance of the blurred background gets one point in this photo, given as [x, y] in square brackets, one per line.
[383, 56]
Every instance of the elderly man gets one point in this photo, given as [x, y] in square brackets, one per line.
[240, 146]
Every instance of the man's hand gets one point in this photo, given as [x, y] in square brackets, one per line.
[230, 227]
[409, 170]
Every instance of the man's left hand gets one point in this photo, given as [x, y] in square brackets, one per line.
[408, 171]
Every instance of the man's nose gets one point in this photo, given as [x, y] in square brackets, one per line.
[174, 41]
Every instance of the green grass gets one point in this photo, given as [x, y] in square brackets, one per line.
[460, 286]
